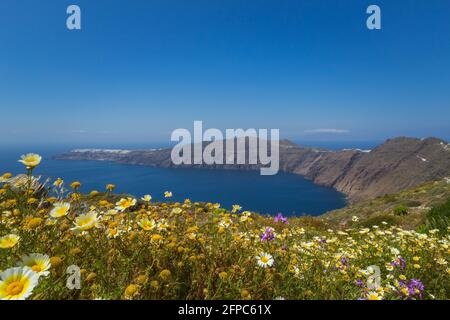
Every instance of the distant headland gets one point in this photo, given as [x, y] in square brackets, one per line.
[397, 164]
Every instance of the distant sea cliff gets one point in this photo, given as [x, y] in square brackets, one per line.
[395, 165]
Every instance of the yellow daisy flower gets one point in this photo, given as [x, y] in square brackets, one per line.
[9, 241]
[111, 212]
[124, 204]
[86, 221]
[39, 263]
[58, 182]
[163, 225]
[17, 283]
[60, 209]
[147, 224]
[374, 296]
[30, 160]
[113, 233]
[236, 208]
[177, 210]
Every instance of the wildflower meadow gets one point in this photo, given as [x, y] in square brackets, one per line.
[123, 247]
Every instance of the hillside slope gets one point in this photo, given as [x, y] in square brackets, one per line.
[407, 208]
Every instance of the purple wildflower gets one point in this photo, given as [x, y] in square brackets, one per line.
[402, 283]
[399, 262]
[279, 217]
[322, 244]
[416, 287]
[268, 234]
[359, 283]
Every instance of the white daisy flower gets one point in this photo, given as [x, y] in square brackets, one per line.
[39, 263]
[60, 209]
[17, 283]
[264, 260]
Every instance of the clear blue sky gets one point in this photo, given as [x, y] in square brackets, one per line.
[139, 69]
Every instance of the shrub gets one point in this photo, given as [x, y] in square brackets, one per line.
[439, 217]
[377, 220]
[413, 203]
[389, 198]
[422, 229]
[313, 222]
[401, 210]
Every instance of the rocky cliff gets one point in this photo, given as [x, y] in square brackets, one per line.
[393, 166]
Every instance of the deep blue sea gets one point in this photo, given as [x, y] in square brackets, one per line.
[287, 193]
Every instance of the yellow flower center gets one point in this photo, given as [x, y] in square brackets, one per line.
[131, 290]
[373, 297]
[165, 274]
[156, 237]
[14, 288]
[36, 268]
[264, 259]
[61, 211]
[85, 221]
[147, 225]
[126, 203]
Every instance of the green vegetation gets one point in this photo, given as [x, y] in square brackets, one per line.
[409, 208]
[379, 219]
[439, 218]
[401, 210]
